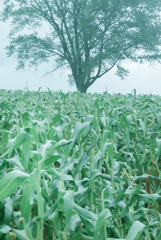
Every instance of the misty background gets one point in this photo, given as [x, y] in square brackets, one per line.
[143, 78]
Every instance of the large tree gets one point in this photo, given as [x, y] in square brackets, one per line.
[88, 36]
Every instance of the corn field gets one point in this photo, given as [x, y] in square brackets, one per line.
[80, 166]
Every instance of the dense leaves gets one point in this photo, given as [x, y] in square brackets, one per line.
[76, 166]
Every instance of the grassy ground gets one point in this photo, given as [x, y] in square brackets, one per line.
[80, 167]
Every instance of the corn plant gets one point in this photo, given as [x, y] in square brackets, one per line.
[80, 166]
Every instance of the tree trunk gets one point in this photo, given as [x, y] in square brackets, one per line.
[82, 90]
[81, 86]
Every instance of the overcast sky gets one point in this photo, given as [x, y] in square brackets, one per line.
[143, 78]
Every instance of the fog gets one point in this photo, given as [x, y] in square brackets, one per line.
[143, 78]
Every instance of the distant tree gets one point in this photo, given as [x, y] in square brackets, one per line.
[88, 36]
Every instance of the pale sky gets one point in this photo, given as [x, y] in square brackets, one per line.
[143, 78]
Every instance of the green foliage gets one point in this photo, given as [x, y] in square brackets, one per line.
[76, 166]
[88, 37]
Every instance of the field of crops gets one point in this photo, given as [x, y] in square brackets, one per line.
[80, 166]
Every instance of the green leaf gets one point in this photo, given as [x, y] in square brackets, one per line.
[142, 125]
[59, 174]
[4, 229]
[50, 160]
[23, 100]
[5, 107]
[101, 220]
[135, 229]
[89, 224]
[25, 201]
[44, 147]
[144, 176]
[116, 238]
[159, 146]
[21, 234]
[22, 138]
[81, 161]
[74, 222]
[68, 205]
[10, 182]
[27, 230]
[35, 186]
[133, 97]
[77, 236]
[61, 143]
[85, 213]
[8, 210]
[153, 196]
[26, 153]
[158, 121]
[79, 128]
[158, 237]
[15, 161]
[87, 237]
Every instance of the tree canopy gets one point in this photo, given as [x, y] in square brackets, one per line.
[88, 36]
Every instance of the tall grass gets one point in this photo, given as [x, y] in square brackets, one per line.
[75, 167]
